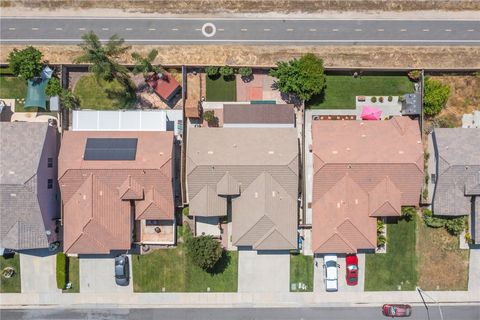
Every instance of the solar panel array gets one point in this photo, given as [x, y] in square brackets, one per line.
[116, 149]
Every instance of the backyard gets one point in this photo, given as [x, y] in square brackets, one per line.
[396, 269]
[13, 284]
[220, 89]
[442, 265]
[100, 95]
[340, 90]
[13, 88]
[168, 270]
[301, 271]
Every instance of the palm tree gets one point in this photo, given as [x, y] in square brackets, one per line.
[144, 65]
[102, 58]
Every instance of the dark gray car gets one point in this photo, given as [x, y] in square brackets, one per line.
[122, 270]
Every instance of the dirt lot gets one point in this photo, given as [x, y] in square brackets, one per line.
[249, 6]
[334, 56]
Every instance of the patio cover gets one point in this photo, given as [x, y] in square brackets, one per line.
[371, 113]
[36, 96]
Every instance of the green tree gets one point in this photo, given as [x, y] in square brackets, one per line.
[227, 71]
[144, 64]
[54, 88]
[204, 251]
[303, 77]
[26, 63]
[212, 71]
[435, 98]
[245, 71]
[68, 99]
[103, 58]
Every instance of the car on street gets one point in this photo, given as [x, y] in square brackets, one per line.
[352, 269]
[397, 310]
[122, 270]
[330, 267]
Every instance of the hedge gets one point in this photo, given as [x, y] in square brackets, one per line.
[61, 270]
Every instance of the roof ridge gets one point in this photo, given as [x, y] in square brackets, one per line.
[353, 224]
[253, 225]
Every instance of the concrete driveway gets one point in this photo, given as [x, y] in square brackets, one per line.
[318, 274]
[97, 274]
[263, 272]
[38, 271]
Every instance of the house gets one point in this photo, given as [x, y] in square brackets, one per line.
[455, 171]
[116, 189]
[242, 185]
[258, 116]
[362, 171]
[28, 185]
[164, 85]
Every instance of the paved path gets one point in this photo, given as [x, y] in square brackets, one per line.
[244, 30]
[358, 313]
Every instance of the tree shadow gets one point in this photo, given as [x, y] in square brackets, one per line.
[221, 264]
[214, 77]
[229, 78]
[123, 98]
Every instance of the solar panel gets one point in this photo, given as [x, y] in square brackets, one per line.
[110, 149]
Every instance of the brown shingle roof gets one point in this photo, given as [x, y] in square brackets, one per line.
[258, 113]
[96, 219]
[192, 108]
[362, 170]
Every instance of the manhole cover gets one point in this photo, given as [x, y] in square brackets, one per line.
[209, 30]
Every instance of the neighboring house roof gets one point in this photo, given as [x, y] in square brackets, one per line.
[458, 170]
[362, 170]
[164, 85]
[192, 108]
[258, 115]
[97, 194]
[21, 145]
[258, 169]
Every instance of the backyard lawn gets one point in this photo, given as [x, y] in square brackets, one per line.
[442, 265]
[301, 271]
[100, 95]
[170, 269]
[13, 284]
[219, 89]
[340, 91]
[396, 269]
[13, 88]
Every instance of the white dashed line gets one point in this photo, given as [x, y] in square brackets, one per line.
[380, 30]
[221, 30]
[174, 29]
[152, 29]
[243, 30]
[313, 30]
[105, 29]
[58, 29]
[358, 30]
[289, 30]
[34, 28]
[82, 29]
[11, 29]
[470, 30]
[448, 30]
[267, 29]
[198, 29]
[426, 30]
[403, 30]
[335, 30]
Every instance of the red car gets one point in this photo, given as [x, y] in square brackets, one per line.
[397, 310]
[352, 269]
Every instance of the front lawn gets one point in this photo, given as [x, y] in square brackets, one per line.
[73, 275]
[340, 91]
[442, 265]
[100, 95]
[168, 270]
[301, 272]
[396, 269]
[13, 284]
[219, 89]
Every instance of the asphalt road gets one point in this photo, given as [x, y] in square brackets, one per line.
[245, 31]
[466, 312]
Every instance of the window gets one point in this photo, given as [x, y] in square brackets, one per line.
[50, 184]
[433, 177]
[152, 222]
[50, 162]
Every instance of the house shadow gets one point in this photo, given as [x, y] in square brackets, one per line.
[39, 252]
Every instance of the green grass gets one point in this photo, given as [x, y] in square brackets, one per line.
[171, 269]
[13, 284]
[14, 88]
[340, 91]
[100, 95]
[73, 275]
[398, 267]
[219, 89]
[61, 270]
[301, 271]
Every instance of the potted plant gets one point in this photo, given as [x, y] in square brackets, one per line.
[373, 99]
[380, 99]
[390, 98]
[414, 75]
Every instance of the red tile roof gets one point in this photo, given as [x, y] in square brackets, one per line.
[165, 86]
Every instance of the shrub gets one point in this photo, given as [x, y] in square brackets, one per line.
[468, 238]
[455, 226]
[186, 211]
[380, 226]
[381, 240]
[431, 221]
[390, 98]
[69, 100]
[53, 87]
[414, 75]
[209, 116]
[373, 99]
[227, 71]
[408, 213]
[26, 63]
[212, 71]
[436, 96]
[380, 99]
[204, 251]
[245, 72]
[61, 270]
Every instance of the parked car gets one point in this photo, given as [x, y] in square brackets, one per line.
[330, 267]
[122, 270]
[397, 310]
[352, 269]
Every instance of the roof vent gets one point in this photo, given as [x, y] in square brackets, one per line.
[338, 205]
[161, 153]
[356, 201]
[13, 194]
[273, 194]
[401, 152]
[418, 141]
[362, 123]
[11, 172]
[101, 193]
[348, 149]
[84, 197]
[234, 145]
[364, 136]
[210, 152]
[256, 195]
[335, 152]
[271, 152]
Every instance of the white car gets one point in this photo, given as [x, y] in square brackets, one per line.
[330, 267]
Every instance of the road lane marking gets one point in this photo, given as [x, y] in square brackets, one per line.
[128, 29]
[313, 30]
[82, 29]
[267, 29]
[34, 28]
[243, 30]
[198, 29]
[152, 29]
[358, 30]
[470, 30]
[426, 30]
[335, 30]
[105, 29]
[289, 30]
[11, 29]
[403, 30]
[221, 30]
[174, 29]
[448, 30]
[380, 30]
[58, 29]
